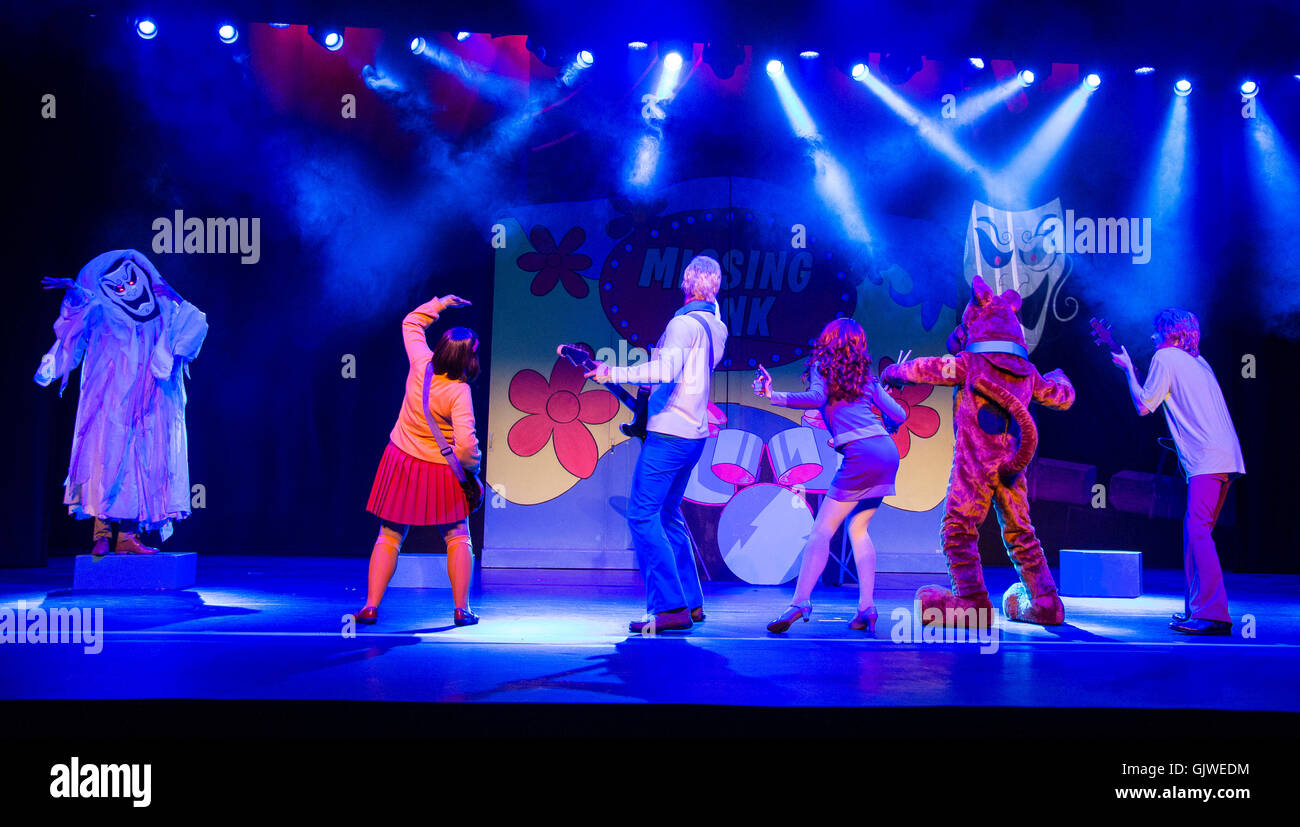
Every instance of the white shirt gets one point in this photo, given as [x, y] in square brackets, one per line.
[679, 370]
[1196, 412]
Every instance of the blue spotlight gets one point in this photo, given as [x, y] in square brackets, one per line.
[810, 54]
[418, 45]
[977, 62]
[638, 45]
[585, 59]
[940, 138]
[1026, 77]
[1183, 87]
[462, 36]
[146, 28]
[668, 76]
[775, 67]
[333, 41]
[227, 33]
[859, 71]
[1093, 80]
[1014, 184]
[1144, 70]
[1250, 89]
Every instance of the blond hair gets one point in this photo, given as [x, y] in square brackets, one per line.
[702, 278]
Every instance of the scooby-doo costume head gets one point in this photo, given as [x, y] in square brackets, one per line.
[996, 438]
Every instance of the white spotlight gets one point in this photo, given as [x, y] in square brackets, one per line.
[1183, 87]
[462, 36]
[417, 45]
[774, 67]
[146, 28]
[977, 62]
[1093, 80]
[1250, 89]
[1026, 77]
[227, 33]
[859, 71]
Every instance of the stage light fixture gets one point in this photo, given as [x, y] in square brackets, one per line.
[330, 38]
[585, 59]
[278, 25]
[1183, 87]
[1144, 70]
[1093, 80]
[227, 33]
[775, 67]
[1026, 77]
[418, 45]
[977, 62]
[673, 62]
[462, 36]
[810, 54]
[638, 45]
[1249, 89]
[146, 28]
[859, 71]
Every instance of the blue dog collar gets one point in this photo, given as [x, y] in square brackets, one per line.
[998, 347]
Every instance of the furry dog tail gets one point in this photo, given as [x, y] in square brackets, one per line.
[1028, 430]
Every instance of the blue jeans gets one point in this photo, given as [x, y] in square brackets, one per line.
[659, 533]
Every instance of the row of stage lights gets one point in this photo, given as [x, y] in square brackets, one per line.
[332, 40]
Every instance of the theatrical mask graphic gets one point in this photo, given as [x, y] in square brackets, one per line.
[130, 288]
[1011, 250]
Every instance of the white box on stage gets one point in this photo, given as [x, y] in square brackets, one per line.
[420, 571]
[1101, 573]
[124, 572]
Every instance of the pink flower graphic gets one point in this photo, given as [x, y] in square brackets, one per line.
[558, 407]
[920, 419]
[556, 262]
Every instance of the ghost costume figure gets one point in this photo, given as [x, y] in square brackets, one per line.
[133, 338]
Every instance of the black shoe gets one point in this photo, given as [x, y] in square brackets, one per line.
[464, 617]
[1202, 627]
[676, 620]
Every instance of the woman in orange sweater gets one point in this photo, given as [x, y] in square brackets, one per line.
[414, 485]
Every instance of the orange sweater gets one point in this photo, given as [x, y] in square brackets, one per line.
[449, 400]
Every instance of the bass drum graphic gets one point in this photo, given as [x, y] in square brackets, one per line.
[761, 533]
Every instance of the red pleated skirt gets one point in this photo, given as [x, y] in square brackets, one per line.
[413, 491]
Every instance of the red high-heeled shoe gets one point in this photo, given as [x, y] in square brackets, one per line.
[864, 620]
[368, 615]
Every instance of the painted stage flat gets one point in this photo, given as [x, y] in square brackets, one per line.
[271, 628]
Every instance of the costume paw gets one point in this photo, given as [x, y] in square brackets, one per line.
[940, 607]
[1044, 610]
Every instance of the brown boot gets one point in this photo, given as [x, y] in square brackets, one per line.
[940, 607]
[100, 548]
[675, 620]
[130, 544]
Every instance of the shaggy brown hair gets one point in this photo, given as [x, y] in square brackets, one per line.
[842, 358]
[455, 356]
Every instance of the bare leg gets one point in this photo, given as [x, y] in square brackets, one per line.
[864, 553]
[818, 548]
[460, 561]
[383, 560]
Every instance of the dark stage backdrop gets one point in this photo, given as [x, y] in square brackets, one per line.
[362, 218]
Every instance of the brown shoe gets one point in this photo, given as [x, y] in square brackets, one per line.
[130, 544]
[100, 548]
[676, 620]
[697, 614]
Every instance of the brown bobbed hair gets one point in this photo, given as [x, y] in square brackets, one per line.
[455, 355]
[842, 358]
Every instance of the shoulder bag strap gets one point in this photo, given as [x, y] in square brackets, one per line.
[447, 453]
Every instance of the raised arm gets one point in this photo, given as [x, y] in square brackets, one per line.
[814, 397]
[1146, 398]
[417, 322]
[929, 370]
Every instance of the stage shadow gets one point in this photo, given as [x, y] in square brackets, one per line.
[133, 611]
[657, 670]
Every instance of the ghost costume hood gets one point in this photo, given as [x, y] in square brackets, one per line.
[133, 338]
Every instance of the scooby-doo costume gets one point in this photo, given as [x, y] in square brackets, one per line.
[996, 438]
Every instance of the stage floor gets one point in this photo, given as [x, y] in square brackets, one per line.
[270, 628]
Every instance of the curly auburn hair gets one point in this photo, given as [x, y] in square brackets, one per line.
[841, 356]
[1179, 328]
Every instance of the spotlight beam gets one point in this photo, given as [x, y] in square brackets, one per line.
[1013, 184]
[933, 134]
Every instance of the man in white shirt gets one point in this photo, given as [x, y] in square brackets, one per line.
[1208, 448]
[681, 371]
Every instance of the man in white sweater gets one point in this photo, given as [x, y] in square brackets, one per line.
[1208, 448]
[681, 371]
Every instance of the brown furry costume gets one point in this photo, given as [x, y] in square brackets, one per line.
[996, 438]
